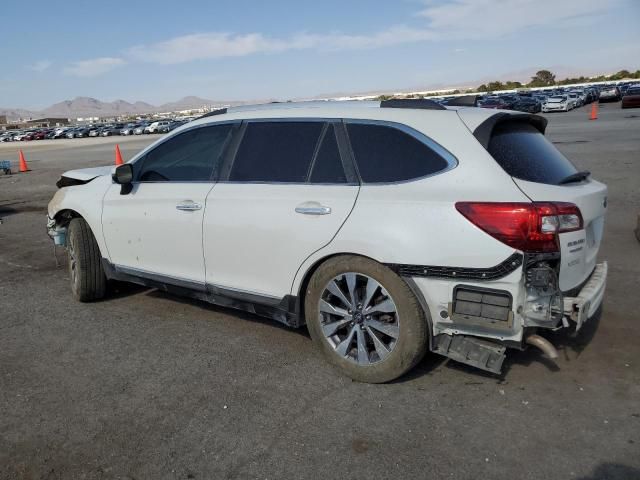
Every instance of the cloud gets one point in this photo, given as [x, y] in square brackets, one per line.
[449, 21]
[475, 19]
[40, 66]
[205, 45]
[94, 67]
[200, 46]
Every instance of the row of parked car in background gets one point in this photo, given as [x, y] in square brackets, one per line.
[84, 131]
[560, 99]
[553, 99]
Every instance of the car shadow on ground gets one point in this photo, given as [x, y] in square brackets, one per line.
[613, 471]
[241, 315]
[117, 290]
[14, 208]
[565, 340]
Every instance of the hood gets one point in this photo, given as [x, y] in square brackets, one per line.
[82, 176]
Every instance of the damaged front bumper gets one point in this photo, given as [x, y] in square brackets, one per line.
[58, 233]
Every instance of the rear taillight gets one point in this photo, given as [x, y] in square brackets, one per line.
[530, 227]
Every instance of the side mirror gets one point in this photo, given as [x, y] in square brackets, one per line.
[124, 176]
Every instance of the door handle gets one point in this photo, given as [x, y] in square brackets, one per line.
[188, 206]
[313, 210]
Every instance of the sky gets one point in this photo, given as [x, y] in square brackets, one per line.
[281, 49]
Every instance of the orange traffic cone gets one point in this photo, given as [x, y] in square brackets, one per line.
[594, 111]
[23, 163]
[118, 156]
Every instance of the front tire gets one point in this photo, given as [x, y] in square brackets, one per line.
[365, 319]
[88, 281]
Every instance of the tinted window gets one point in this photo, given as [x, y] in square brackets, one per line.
[327, 167]
[276, 152]
[387, 154]
[189, 156]
[523, 152]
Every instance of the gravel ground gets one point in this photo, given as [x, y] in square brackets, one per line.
[150, 386]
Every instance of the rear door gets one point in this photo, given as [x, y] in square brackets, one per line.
[284, 195]
[545, 175]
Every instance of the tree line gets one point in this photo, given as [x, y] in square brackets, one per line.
[545, 78]
[542, 78]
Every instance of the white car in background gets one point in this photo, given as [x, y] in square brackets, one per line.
[582, 97]
[157, 127]
[20, 136]
[574, 100]
[558, 103]
[389, 228]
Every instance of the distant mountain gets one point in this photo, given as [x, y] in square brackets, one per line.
[92, 107]
[15, 113]
[187, 103]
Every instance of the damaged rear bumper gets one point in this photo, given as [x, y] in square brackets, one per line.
[583, 306]
[476, 322]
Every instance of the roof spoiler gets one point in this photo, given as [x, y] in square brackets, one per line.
[464, 101]
[484, 131]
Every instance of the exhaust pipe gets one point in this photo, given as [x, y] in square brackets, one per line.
[543, 344]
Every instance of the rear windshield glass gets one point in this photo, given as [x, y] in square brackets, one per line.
[524, 153]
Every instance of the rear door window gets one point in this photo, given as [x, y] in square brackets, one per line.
[387, 154]
[523, 152]
[276, 152]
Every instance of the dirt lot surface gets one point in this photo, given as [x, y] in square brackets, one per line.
[145, 385]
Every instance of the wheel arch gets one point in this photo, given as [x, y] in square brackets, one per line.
[65, 215]
[308, 274]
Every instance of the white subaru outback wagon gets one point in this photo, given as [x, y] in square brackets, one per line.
[388, 228]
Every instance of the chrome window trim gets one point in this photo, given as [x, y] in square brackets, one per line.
[452, 160]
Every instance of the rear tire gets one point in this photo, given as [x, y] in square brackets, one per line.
[88, 281]
[386, 333]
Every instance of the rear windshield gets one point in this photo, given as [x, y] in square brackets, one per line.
[524, 153]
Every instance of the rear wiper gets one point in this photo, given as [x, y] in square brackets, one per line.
[575, 177]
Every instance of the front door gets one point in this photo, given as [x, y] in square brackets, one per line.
[156, 229]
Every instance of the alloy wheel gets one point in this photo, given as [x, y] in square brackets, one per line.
[359, 318]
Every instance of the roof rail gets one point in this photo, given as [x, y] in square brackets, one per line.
[464, 101]
[220, 111]
[419, 103]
